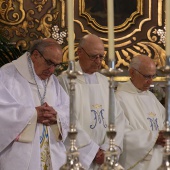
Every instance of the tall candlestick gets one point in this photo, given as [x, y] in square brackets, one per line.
[111, 102]
[110, 21]
[70, 21]
[167, 7]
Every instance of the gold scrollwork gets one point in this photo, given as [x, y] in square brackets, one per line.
[148, 48]
[27, 23]
[63, 13]
[45, 27]
[39, 4]
[12, 12]
[119, 28]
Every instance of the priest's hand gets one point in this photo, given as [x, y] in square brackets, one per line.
[161, 139]
[99, 158]
[46, 115]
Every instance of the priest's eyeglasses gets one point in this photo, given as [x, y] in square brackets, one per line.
[50, 63]
[94, 57]
[147, 77]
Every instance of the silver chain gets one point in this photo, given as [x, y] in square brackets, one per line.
[45, 86]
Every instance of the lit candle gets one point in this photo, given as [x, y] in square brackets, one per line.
[167, 7]
[110, 21]
[70, 21]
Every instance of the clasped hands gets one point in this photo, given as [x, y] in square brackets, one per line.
[46, 115]
[99, 158]
[161, 139]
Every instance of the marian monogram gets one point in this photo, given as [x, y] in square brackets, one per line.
[97, 116]
[153, 122]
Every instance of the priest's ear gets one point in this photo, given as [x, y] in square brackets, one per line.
[79, 52]
[36, 53]
[131, 72]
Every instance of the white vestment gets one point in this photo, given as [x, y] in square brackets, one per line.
[145, 117]
[18, 99]
[92, 101]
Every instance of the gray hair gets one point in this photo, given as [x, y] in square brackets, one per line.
[82, 42]
[136, 62]
[88, 38]
[42, 44]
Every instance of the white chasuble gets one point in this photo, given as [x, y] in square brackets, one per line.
[21, 102]
[92, 102]
[92, 113]
[92, 119]
[43, 130]
[145, 118]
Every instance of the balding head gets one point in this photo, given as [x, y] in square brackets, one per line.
[43, 44]
[46, 55]
[142, 70]
[141, 61]
[91, 53]
[90, 39]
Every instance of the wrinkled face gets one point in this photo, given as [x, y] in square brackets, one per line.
[46, 63]
[143, 77]
[91, 57]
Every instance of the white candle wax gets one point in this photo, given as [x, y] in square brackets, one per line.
[110, 21]
[167, 10]
[70, 21]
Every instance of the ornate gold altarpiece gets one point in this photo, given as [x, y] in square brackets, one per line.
[141, 29]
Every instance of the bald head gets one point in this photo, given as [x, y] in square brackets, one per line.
[90, 39]
[91, 53]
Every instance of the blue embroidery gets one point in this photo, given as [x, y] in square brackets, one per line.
[95, 119]
[104, 124]
[44, 134]
[153, 124]
[98, 117]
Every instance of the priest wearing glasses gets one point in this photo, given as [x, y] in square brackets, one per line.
[34, 110]
[92, 104]
[143, 140]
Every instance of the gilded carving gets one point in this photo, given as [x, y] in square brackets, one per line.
[39, 4]
[44, 27]
[93, 14]
[160, 12]
[148, 48]
[63, 13]
[22, 25]
[26, 22]
[11, 15]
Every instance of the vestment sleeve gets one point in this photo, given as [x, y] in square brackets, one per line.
[87, 148]
[14, 117]
[62, 109]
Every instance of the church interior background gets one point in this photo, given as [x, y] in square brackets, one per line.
[139, 27]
